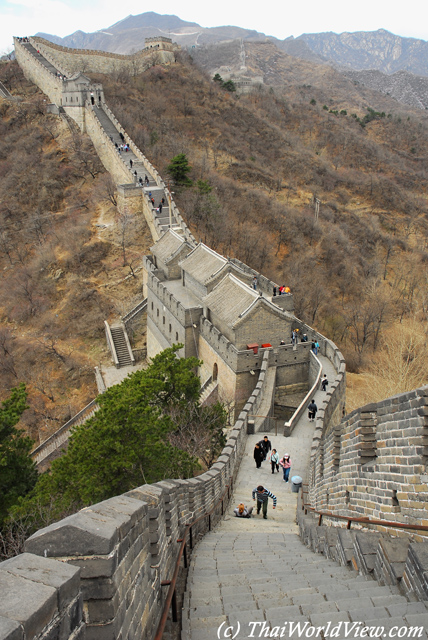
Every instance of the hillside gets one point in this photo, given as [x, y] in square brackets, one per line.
[60, 259]
[380, 60]
[263, 157]
[258, 160]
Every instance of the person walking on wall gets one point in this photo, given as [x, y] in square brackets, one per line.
[265, 446]
[274, 461]
[324, 383]
[312, 410]
[285, 463]
[263, 496]
[255, 282]
[259, 455]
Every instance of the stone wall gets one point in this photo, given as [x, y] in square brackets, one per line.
[36, 72]
[98, 574]
[106, 151]
[374, 462]
[89, 61]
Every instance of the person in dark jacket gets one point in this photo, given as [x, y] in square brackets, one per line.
[259, 455]
[312, 410]
[266, 446]
[324, 383]
[262, 499]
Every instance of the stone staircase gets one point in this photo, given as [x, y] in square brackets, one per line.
[271, 579]
[135, 312]
[208, 391]
[258, 573]
[140, 171]
[121, 345]
[50, 67]
[4, 93]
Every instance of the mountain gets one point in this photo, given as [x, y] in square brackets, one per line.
[128, 35]
[403, 86]
[379, 50]
[378, 59]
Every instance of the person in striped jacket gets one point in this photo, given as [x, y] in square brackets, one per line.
[262, 499]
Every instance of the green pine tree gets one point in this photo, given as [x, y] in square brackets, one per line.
[178, 169]
[18, 473]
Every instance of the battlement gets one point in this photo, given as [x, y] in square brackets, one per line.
[374, 462]
[99, 573]
[159, 42]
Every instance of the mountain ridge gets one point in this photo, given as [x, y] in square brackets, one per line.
[379, 50]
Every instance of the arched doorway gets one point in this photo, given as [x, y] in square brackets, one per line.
[215, 372]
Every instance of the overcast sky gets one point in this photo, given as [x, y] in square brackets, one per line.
[277, 18]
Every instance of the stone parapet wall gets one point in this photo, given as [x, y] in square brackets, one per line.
[392, 561]
[105, 149]
[36, 72]
[40, 598]
[92, 61]
[374, 463]
[103, 567]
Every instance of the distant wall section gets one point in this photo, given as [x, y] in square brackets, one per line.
[36, 72]
[88, 61]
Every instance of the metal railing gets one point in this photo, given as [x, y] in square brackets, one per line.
[359, 520]
[171, 599]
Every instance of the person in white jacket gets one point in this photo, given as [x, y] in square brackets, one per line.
[274, 460]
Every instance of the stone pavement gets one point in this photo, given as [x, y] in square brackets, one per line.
[257, 571]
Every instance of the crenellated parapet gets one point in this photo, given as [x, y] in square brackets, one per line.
[374, 462]
[100, 573]
[94, 61]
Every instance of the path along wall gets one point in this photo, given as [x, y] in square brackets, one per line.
[374, 462]
[97, 574]
[36, 72]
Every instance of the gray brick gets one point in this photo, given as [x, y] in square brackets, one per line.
[407, 608]
[206, 611]
[390, 601]
[32, 604]
[322, 619]
[10, 629]
[367, 614]
[319, 607]
[282, 613]
[59, 575]
[418, 619]
[348, 604]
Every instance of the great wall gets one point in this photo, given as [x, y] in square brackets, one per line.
[109, 571]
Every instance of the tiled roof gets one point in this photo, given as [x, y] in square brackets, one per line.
[230, 299]
[167, 245]
[202, 263]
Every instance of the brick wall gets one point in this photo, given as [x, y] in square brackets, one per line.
[97, 574]
[374, 462]
[85, 60]
[36, 72]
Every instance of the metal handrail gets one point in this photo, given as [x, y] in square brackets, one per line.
[362, 520]
[171, 597]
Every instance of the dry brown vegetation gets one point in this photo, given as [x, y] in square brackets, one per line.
[359, 270]
[61, 259]
[357, 274]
